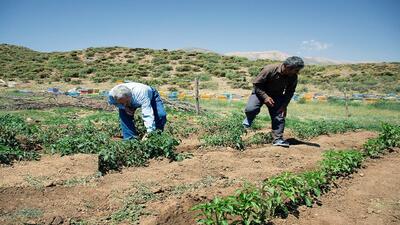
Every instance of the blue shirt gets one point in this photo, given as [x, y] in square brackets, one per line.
[141, 98]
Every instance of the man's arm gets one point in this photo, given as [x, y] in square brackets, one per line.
[147, 110]
[260, 81]
[289, 91]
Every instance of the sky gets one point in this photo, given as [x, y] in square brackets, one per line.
[352, 30]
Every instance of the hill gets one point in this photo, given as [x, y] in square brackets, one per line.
[177, 69]
[280, 56]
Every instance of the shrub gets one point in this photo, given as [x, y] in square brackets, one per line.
[313, 128]
[232, 75]
[16, 133]
[254, 71]
[184, 68]
[204, 77]
[209, 85]
[80, 139]
[388, 138]
[260, 138]
[8, 155]
[159, 61]
[390, 135]
[224, 131]
[374, 147]
[216, 212]
[116, 155]
[18, 140]
[341, 163]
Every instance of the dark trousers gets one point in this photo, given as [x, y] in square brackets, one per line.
[277, 118]
[128, 123]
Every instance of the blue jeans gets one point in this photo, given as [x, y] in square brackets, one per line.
[128, 123]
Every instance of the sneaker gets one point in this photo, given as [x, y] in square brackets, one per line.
[280, 142]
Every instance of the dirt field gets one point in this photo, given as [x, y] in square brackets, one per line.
[57, 190]
[370, 197]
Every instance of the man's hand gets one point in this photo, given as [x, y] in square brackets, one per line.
[145, 137]
[269, 102]
[282, 110]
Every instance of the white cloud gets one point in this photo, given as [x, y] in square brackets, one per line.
[313, 45]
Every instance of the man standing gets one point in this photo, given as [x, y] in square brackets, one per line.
[130, 96]
[274, 87]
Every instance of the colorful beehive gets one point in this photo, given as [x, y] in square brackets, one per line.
[182, 96]
[222, 97]
[103, 93]
[309, 96]
[163, 94]
[53, 90]
[189, 95]
[371, 100]
[228, 96]
[73, 93]
[84, 91]
[321, 98]
[206, 96]
[173, 95]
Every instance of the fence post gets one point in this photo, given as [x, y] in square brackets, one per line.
[346, 102]
[196, 92]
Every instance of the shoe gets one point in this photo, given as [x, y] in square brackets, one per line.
[246, 129]
[280, 142]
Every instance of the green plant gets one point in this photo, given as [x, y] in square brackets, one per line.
[16, 133]
[291, 187]
[279, 194]
[29, 213]
[316, 183]
[260, 138]
[250, 205]
[216, 212]
[18, 140]
[388, 138]
[8, 155]
[313, 128]
[374, 147]
[390, 135]
[341, 163]
[117, 154]
[223, 131]
[134, 206]
[80, 139]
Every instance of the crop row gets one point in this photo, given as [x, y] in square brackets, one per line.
[278, 195]
[228, 131]
[20, 140]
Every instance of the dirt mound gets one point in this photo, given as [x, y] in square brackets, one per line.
[50, 169]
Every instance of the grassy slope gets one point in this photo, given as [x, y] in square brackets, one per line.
[178, 68]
